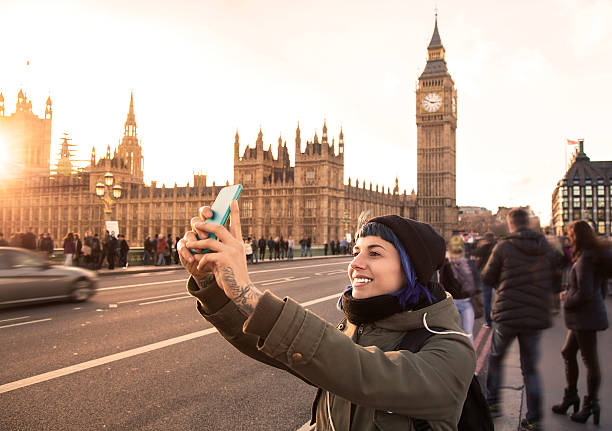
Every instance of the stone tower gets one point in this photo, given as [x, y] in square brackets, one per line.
[130, 150]
[436, 119]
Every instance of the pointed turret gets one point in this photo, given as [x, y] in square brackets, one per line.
[93, 156]
[436, 65]
[48, 110]
[259, 142]
[324, 135]
[130, 122]
[341, 143]
[298, 141]
[108, 154]
[435, 42]
[236, 146]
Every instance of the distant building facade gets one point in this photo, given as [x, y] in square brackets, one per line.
[584, 193]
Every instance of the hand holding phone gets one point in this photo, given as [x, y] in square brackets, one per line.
[221, 209]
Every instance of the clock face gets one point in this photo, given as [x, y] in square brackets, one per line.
[432, 102]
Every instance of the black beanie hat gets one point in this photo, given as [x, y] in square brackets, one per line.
[425, 248]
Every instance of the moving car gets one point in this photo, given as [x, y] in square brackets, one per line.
[27, 278]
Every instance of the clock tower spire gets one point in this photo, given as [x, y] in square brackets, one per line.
[436, 119]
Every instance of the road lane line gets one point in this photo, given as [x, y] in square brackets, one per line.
[281, 280]
[102, 289]
[18, 384]
[151, 297]
[166, 300]
[101, 361]
[25, 323]
[15, 318]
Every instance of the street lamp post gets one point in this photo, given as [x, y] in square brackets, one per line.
[108, 194]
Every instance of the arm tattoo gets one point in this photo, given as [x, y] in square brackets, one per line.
[205, 280]
[245, 297]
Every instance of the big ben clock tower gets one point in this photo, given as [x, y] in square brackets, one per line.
[436, 119]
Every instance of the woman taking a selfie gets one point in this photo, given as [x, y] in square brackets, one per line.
[365, 382]
[585, 314]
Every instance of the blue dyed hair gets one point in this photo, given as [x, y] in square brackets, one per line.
[411, 292]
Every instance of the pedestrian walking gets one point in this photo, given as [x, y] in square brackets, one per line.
[96, 252]
[290, 247]
[302, 247]
[254, 247]
[585, 315]
[146, 248]
[522, 266]
[308, 246]
[283, 247]
[78, 247]
[29, 239]
[270, 248]
[262, 248]
[481, 255]
[161, 249]
[325, 247]
[276, 248]
[123, 251]
[69, 248]
[461, 279]
[168, 250]
[248, 250]
[111, 251]
[364, 383]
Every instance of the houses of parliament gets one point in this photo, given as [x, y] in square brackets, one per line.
[308, 199]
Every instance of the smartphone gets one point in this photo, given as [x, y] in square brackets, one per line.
[221, 209]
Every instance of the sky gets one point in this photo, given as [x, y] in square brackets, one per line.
[529, 76]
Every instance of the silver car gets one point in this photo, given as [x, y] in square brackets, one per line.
[26, 278]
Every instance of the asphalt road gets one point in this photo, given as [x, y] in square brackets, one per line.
[138, 356]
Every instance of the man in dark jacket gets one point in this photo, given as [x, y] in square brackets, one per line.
[123, 251]
[262, 248]
[523, 267]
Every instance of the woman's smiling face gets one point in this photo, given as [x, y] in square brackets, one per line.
[376, 268]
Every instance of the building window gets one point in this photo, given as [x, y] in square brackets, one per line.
[565, 215]
[588, 201]
[576, 215]
[247, 178]
[247, 209]
[601, 214]
[564, 191]
[310, 207]
[601, 228]
[576, 191]
[601, 202]
[290, 208]
[310, 176]
[564, 203]
[600, 190]
[588, 190]
[576, 202]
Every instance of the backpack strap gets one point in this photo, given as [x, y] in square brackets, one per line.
[413, 341]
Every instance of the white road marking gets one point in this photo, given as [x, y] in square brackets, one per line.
[18, 384]
[151, 297]
[165, 300]
[24, 323]
[15, 318]
[281, 280]
[101, 289]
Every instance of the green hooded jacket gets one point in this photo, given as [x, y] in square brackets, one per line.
[356, 367]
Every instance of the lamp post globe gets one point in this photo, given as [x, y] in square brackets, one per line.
[109, 179]
[117, 191]
[100, 190]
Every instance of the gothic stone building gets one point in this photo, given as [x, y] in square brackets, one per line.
[308, 199]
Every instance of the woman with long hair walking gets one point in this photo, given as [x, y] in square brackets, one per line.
[585, 314]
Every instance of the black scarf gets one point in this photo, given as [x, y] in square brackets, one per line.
[368, 310]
